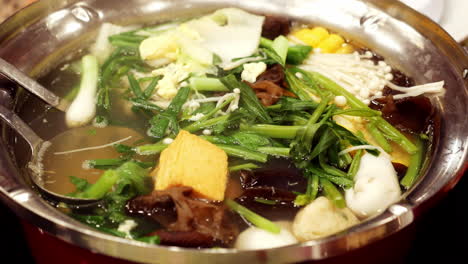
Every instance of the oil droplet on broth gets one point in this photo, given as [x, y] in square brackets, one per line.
[58, 168]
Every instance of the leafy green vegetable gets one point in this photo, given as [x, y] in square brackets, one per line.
[248, 99]
[332, 193]
[302, 144]
[209, 114]
[118, 64]
[339, 180]
[330, 169]
[265, 201]
[292, 104]
[299, 87]
[204, 108]
[245, 166]
[388, 130]
[273, 56]
[149, 90]
[114, 188]
[101, 186]
[254, 218]
[144, 104]
[250, 140]
[243, 153]
[135, 86]
[220, 122]
[354, 167]
[168, 119]
[311, 192]
[150, 239]
[295, 54]
[275, 151]
[80, 184]
[128, 174]
[273, 131]
[150, 149]
[378, 137]
[220, 139]
[280, 46]
[358, 112]
[104, 164]
[126, 39]
[203, 84]
[415, 165]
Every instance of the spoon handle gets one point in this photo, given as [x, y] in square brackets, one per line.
[16, 123]
[14, 74]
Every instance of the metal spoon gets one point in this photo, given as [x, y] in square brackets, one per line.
[38, 146]
[14, 74]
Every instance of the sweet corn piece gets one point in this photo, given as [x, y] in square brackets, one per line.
[311, 37]
[331, 44]
[194, 162]
[345, 49]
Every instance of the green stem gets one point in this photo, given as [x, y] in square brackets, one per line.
[102, 186]
[205, 124]
[295, 55]
[273, 131]
[280, 46]
[244, 153]
[415, 166]
[275, 151]
[358, 112]
[150, 149]
[214, 111]
[354, 167]
[379, 137]
[206, 84]
[104, 163]
[332, 193]
[254, 218]
[330, 169]
[390, 131]
[245, 166]
[314, 187]
[396, 136]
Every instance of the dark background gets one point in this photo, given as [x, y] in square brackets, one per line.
[441, 234]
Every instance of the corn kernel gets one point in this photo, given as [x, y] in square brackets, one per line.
[311, 37]
[345, 49]
[331, 44]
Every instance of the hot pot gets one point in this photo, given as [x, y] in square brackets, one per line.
[41, 36]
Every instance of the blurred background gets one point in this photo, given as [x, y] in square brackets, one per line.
[441, 236]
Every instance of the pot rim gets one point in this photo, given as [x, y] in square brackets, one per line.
[27, 203]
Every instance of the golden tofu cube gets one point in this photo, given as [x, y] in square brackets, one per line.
[193, 162]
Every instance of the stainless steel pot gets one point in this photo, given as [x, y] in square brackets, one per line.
[46, 33]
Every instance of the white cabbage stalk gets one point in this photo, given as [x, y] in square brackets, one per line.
[376, 186]
[229, 33]
[83, 108]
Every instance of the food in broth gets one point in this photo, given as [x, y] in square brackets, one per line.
[236, 130]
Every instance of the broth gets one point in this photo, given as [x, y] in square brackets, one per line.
[57, 167]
